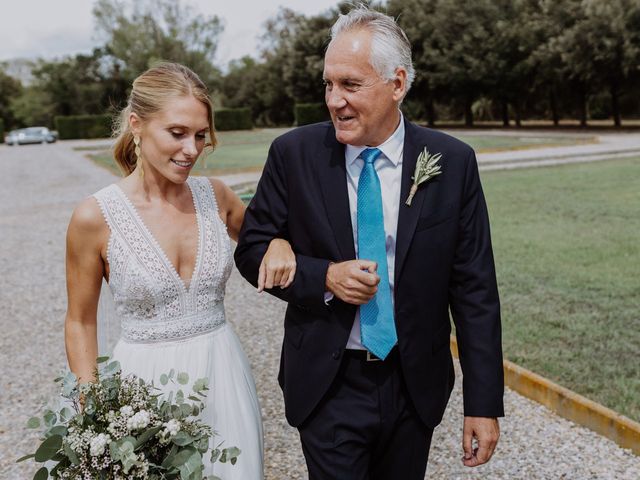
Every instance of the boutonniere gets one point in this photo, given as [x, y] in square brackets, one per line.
[426, 168]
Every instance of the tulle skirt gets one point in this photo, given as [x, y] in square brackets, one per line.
[232, 407]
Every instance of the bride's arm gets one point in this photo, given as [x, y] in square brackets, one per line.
[85, 269]
[278, 266]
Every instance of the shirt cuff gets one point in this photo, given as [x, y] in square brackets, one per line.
[328, 296]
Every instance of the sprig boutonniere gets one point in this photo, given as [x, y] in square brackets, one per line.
[426, 168]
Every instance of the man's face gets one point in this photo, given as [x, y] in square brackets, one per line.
[363, 106]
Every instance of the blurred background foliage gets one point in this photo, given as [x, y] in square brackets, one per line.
[488, 60]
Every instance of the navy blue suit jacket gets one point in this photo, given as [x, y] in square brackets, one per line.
[443, 263]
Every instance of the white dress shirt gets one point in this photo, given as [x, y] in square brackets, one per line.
[389, 169]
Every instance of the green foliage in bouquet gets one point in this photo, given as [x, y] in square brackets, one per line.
[123, 428]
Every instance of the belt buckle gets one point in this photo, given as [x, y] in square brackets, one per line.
[372, 358]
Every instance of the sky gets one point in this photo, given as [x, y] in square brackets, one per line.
[47, 29]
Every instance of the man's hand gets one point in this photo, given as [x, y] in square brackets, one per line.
[353, 281]
[486, 431]
[278, 266]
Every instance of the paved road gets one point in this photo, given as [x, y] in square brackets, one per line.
[41, 184]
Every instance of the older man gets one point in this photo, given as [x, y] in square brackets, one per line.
[366, 369]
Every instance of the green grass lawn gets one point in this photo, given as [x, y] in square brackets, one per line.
[485, 143]
[247, 150]
[566, 242]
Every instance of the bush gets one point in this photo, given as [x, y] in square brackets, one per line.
[306, 113]
[233, 119]
[1, 131]
[83, 126]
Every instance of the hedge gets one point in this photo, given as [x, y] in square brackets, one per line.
[306, 113]
[233, 119]
[83, 126]
[1, 131]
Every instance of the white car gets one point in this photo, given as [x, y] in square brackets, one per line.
[25, 136]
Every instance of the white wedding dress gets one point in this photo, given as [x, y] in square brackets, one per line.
[166, 324]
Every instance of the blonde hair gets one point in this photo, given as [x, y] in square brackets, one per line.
[150, 92]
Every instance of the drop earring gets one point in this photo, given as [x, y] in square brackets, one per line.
[136, 141]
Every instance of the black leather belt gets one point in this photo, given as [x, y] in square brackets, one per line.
[367, 356]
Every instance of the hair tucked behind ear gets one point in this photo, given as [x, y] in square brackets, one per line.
[150, 92]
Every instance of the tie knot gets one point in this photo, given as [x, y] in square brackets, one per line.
[370, 155]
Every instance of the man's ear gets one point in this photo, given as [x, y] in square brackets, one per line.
[399, 84]
[135, 123]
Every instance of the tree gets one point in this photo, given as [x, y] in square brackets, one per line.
[611, 32]
[10, 88]
[141, 34]
[33, 107]
[418, 19]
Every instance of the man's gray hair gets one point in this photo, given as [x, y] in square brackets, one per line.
[390, 47]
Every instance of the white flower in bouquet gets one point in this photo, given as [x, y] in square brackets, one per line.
[139, 420]
[172, 427]
[126, 411]
[98, 444]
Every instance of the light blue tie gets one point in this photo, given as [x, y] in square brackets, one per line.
[377, 327]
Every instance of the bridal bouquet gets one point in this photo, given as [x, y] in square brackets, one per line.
[123, 428]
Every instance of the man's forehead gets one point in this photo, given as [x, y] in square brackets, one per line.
[350, 42]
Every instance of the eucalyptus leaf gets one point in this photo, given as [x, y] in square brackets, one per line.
[26, 457]
[183, 378]
[145, 436]
[186, 409]
[200, 385]
[71, 455]
[123, 451]
[230, 455]
[66, 414]
[48, 449]
[112, 368]
[50, 418]
[41, 474]
[192, 466]
[89, 406]
[183, 456]
[182, 439]
[58, 430]
[33, 422]
[164, 379]
[101, 359]
[69, 383]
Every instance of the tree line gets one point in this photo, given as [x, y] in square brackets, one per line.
[505, 60]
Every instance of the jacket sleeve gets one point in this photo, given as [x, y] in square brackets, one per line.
[266, 218]
[474, 303]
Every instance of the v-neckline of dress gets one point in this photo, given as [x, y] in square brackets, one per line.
[159, 250]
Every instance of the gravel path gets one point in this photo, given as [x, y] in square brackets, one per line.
[41, 186]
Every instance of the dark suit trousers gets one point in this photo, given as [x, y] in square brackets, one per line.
[365, 427]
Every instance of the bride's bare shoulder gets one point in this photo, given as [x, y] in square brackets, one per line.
[224, 194]
[87, 218]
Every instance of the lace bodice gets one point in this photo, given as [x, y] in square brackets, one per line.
[151, 300]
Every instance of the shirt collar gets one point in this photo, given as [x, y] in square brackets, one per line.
[391, 148]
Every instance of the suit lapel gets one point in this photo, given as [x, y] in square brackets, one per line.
[408, 215]
[333, 182]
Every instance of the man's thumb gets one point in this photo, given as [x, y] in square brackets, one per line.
[369, 265]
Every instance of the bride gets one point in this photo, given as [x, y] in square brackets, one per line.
[160, 238]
